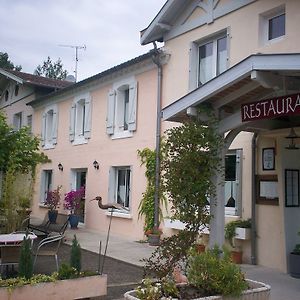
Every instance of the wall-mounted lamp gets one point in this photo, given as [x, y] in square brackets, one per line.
[96, 165]
[60, 167]
[292, 135]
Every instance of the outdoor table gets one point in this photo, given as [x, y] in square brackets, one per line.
[15, 238]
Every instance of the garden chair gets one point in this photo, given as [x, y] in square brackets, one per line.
[49, 246]
[37, 224]
[10, 255]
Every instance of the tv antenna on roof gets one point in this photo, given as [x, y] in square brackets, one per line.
[76, 55]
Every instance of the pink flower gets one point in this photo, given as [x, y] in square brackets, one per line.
[73, 198]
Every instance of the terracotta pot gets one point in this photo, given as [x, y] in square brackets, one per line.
[200, 248]
[237, 257]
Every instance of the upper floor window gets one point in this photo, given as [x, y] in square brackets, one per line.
[29, 123]
[121, 112]
[49, 127]
[212, 59]
[276, 27]
[80, 120]
[6, 95]
[272, 25]
[17, 121]
[208, 59]
[16, 89]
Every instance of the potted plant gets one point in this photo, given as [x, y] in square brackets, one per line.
[237, 229]
[52, 201]
[294, 261]
[72, 203]
[153, 236]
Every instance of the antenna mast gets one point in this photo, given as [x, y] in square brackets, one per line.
[76, 55]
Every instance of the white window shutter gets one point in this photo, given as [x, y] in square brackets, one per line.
[111, 185]
[88, 118]
[54, 127]
[132, 106]
[110, 112]
[43, 133]
[72, 123]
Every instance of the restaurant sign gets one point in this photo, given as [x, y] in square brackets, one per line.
[271, 108]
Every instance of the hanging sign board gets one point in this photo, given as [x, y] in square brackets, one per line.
[271, 108]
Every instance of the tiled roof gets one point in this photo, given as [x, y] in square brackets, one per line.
[40, 80]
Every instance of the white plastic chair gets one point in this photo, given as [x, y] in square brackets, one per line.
[44, 247]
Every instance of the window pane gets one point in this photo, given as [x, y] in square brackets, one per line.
[222, 55]
[123, 182]
[49, 126]
[277, 27]
[126, 108]
[29, 122]
[205, 63]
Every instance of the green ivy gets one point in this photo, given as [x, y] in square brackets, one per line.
[146, 206]
[191, 160]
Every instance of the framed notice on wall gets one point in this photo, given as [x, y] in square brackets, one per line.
[291, 188]
[268, 159]
[267, 190]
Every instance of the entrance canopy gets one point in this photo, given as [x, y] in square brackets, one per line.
[268, 77]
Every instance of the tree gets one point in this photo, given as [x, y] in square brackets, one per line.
[19, 156]
[51, 69]
[5, 63]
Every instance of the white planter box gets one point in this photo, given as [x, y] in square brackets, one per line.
[70, 289]
[242, 233]
[257, 291]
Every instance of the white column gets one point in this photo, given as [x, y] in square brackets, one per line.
[217, 208]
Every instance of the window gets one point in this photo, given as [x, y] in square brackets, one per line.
[49, 127]
[17, 121]
[276, 27]
[121, 111]
[6, 95]
[272, 25]
[16, 90]
[208, 59]
[119, 185]
[29, 123]
[46, 184]
[232, 182]
[80, 121]
[212, 59]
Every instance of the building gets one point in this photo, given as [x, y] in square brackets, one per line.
[242, 58]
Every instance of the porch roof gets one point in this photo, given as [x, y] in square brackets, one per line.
[255, 78]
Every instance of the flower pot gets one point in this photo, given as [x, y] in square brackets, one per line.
[257, 291]
[153, 239]
[237, 257]
[242, 233]
[200, 248]
[294, 265]
[74, 220]
[52, 216]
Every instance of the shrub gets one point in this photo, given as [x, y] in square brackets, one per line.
[26, 264]
[215, 275]
[67, 272]
[75, 259]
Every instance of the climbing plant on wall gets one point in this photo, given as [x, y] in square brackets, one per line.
[190, 162]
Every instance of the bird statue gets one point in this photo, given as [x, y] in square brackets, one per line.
[107, 206]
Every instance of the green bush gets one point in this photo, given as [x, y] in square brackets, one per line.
[75, 259]
[67, 272]
[26, 264]
[215, 275]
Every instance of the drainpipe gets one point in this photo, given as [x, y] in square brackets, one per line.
[253, 206]
[156, 60]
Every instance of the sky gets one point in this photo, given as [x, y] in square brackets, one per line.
[32, 30]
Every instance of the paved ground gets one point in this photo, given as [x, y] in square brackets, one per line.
[283, 287]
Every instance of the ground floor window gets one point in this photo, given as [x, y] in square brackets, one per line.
[46, 184]
[119, 185]
[79, 180]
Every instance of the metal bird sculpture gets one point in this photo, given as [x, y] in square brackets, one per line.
[107, 206]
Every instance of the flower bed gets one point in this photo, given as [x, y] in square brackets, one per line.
[79, 288]
[257, 291]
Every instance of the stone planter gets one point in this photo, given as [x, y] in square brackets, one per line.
[154, 239]
[79, 288]
[294, 265]
[257, 291]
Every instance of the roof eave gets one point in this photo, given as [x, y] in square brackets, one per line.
[11, 76]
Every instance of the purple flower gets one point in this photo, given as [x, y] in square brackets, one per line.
[73, 198]
[53, 199]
